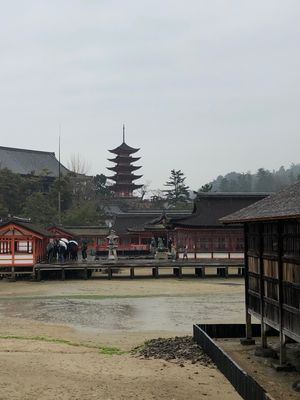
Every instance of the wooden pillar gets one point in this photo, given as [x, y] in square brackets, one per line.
[248, 315]
[132, 272]
[264, 343]
[109, 273]
[282, 339]
[226, 272]
[155, 272]
[63, 275]
[180, 272]
[38, 274]
[13, 274]
[85, 273]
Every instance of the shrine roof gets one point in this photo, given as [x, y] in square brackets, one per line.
[29, 226]
[141, 220]
[282, 205]
[88, 230]
[30, 162]
[209, 208]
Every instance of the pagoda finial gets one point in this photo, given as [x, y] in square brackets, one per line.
[123, 133]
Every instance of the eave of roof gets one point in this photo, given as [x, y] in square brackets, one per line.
[282, 205]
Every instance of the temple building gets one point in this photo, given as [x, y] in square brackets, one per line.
[201, 232]
[124, 177]
[27, 162]
[272, 264]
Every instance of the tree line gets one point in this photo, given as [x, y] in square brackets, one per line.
[83, 198]
[263, 180]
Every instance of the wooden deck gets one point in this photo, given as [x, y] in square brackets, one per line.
[179, 268]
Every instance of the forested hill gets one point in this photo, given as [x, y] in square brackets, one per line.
[262, 181]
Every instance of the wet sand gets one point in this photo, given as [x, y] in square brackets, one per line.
[117, 313]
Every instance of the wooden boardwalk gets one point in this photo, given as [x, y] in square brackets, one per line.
[179, 268]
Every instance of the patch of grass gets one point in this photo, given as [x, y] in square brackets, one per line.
[102, 349]
[110, 351]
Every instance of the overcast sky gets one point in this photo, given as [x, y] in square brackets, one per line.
[207, 87]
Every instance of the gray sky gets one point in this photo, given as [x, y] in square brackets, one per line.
[203, 86]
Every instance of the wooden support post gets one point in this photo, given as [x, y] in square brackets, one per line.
[176, 271]
[157, 272]
[180, 272]
[109, 272]
[226, 272]
[282, 338]
[248, 339]
[39, 274]
[85, 273]
[264, 342]
[200, 272]
[132, 272]
[63, 275]
[13, 274]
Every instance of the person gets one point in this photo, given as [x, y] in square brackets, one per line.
[84, 250]
[185, 252]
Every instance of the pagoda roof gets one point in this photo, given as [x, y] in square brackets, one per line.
[127, 175]
[122, 185]
[117, 168]
[126, 158]
[124, 148]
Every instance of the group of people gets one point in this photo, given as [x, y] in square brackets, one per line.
[63, 250]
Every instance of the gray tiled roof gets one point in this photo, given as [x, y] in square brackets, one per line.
[282, 205]
[30, 162]
[210, 207]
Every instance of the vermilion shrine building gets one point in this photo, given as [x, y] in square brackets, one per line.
[22, 245]
[202, 232]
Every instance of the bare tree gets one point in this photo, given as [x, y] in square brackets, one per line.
[144, 190]
[78, 165]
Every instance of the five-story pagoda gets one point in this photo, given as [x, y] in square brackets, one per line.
[124, 177]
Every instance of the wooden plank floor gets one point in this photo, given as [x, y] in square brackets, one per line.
[110, 268]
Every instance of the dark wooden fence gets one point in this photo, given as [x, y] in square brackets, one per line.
[244, 384]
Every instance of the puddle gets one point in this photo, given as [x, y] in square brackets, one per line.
[129, 314]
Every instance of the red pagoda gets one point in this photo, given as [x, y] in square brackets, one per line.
[124, 177]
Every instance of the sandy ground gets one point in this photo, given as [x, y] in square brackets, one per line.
[37, 369]
[277, 384]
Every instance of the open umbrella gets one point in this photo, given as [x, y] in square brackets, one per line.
[63, 244]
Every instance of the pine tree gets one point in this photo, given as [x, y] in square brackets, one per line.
[179, 191]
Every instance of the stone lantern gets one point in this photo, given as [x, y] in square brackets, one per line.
[112, 245]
